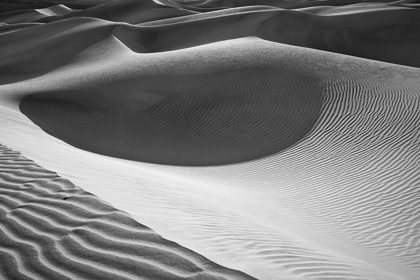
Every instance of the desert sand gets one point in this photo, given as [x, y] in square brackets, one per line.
[52, 229]
[261, 139]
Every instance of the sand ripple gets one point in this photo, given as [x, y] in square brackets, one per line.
[279, 138]
[51, 229]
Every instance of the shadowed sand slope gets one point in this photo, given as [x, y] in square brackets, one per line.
[226, 109]
[51, 229]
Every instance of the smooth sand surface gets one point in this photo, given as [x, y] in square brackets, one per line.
[279, 141]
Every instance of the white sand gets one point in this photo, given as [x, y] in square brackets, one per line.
[322, 148]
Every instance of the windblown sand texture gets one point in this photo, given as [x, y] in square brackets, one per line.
[52, 229]
[277, 138]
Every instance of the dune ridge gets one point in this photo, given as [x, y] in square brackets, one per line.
[52, 229]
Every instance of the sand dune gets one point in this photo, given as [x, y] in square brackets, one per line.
[276, 138]
[375, 31]
[385, 34]
[191, 127]
[284, 4]
[21, 16]
[379, 32]
[30, 15]
[56, 10]
[7, 28]
[52, 229]
[195, 126]
[132, 11]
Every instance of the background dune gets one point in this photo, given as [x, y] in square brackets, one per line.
[131, 11]
[385, 34]
[279, 139]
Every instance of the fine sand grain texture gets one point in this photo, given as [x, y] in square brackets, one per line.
[280, 139]
[52, 229]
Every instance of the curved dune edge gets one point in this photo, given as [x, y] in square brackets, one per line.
[52, 229]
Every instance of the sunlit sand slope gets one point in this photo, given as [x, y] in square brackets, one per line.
[355, 175]
[52, 229]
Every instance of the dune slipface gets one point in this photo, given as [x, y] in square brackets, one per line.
[228, 109]
[52, 229]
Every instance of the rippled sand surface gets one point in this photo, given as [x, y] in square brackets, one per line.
[268, 139]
